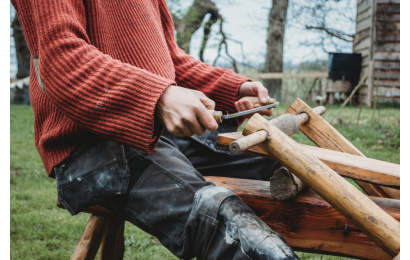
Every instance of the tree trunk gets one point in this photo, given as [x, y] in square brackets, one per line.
[274, 51]
[192, 21]
[22, 51]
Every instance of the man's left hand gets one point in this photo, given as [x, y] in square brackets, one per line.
[255, 89]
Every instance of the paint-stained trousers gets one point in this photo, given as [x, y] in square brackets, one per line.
[166, 195]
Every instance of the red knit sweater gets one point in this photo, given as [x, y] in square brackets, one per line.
[104, 65]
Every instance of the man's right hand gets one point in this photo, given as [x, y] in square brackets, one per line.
[184, 112]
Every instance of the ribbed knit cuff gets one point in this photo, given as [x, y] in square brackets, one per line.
[228, 88]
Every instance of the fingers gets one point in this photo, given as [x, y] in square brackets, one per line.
[207, 102]
[206, 120]
[183, 112]
[254, 89]
[243, 105]
[262, 94]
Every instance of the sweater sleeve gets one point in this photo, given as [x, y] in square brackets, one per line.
[219, 84]
[112, 99]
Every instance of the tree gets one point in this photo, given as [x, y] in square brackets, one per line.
[22, 51]
[329, 19]
[192, 20]
[274, 50]
[188, 23]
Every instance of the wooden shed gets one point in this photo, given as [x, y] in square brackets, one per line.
[377, 38]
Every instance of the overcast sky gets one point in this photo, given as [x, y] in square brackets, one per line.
[247, 21]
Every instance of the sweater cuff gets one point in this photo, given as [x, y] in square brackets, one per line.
[228, 86]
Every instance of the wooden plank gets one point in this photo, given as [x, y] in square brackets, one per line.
[391, 17]
[365, 54]
[388, 1]
[379, 226]
[347, 165]
[386, 75]
[280, 75]
[393, 65]
[364, 44]
[320, 131]
[360, 37]
[387, 26]
[363, 16]
[363, 10]
[387, 47]
[365, 61]
[326, 136]
[307, 222]
[387, 92]
[388, 9]
[364, 6]
[386, 83]
[393, 36]
[363, 25]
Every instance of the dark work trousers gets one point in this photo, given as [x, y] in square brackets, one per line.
[165, 194]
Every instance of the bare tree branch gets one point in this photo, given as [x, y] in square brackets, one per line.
[224, 42]
[333, 33]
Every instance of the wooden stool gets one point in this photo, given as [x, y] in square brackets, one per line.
[104, 230]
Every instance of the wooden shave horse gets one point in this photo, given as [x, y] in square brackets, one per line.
[366, 227]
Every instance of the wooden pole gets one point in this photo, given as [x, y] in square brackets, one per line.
[90, 241]
[350, 202]
[326, 136]
[347, 165]
[287, 123]
[112, 245]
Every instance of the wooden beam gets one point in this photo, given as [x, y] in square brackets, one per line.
[326, 136]
[280, 75]
[347, 165]
[90, 241]
[380, 227]
[307, 222]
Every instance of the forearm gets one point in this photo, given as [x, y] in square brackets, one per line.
[220, 85]
[106, 96]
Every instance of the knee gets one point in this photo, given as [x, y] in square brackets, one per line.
[209, 199]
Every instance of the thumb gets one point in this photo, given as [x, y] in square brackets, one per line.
[262, 94]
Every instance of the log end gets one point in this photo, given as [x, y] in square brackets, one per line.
[284, 185]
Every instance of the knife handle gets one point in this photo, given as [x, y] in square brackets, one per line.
[217, 115]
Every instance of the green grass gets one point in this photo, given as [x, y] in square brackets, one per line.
[40, 230]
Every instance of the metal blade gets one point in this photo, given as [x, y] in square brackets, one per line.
[250, 111]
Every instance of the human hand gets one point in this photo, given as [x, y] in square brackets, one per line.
[253, 89]
[184, 112]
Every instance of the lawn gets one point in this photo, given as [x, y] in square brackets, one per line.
[40, 230]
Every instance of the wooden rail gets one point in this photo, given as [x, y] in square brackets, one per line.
[347, 165]
[281, 75]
